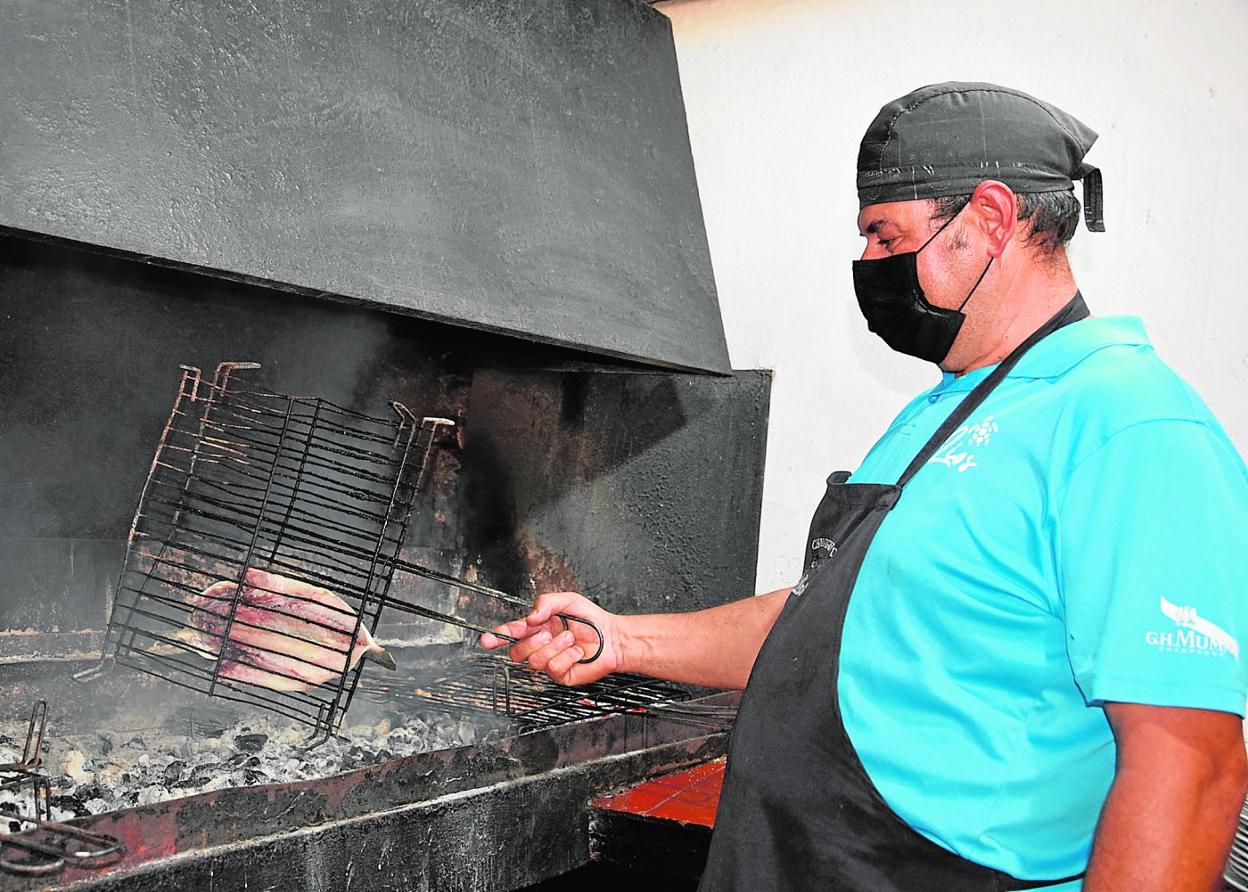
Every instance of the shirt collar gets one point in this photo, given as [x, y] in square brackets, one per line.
[1060, 351]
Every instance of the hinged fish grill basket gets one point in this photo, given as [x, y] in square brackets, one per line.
[247, 486]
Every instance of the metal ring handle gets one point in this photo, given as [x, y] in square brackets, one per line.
[566, 617]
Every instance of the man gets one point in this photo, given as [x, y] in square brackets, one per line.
[1014, 655]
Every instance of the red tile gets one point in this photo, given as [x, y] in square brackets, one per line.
[690, 796]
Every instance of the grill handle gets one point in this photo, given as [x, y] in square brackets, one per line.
[456, 582]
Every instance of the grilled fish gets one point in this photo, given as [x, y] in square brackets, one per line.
[286, 635]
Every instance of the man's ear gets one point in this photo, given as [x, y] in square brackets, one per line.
[995, 211]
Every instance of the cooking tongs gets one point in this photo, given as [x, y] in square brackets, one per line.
[456, 582]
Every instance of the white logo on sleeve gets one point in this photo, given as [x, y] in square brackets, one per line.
[956, 452]
[1194, 634]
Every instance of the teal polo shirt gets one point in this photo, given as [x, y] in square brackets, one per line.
[1080, 539]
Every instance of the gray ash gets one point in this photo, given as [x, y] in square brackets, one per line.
[108, 770]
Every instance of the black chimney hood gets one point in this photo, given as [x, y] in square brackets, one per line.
[516, 166]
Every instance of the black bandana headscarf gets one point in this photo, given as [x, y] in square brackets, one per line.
[945, 139]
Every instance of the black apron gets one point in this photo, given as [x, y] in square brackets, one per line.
[798, 810]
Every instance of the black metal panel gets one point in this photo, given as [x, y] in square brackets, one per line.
[516, 165]
[675, 851]
[641, 490]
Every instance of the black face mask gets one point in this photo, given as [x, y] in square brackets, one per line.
[892, 300]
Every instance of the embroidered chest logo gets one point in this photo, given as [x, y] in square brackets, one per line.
[960, 449]
[1193, 634]
[823, 549]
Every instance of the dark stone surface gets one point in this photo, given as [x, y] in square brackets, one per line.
[515, 165]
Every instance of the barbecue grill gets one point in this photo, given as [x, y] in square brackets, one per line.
[485, 211]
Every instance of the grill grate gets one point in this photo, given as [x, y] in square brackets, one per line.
[530, 701]
[249, 479]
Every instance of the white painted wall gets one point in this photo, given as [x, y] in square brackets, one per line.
[778, 93]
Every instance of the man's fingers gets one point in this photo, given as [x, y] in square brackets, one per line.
[517, 628]
[541, 639]
[540, 657]
[561, 664]
[523, 649]
[490, 641]
[548, 605]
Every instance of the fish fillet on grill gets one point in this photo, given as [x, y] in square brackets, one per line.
[286, 635]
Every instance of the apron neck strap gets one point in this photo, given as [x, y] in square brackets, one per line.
[1072, 312]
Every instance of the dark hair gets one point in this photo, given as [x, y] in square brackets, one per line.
[1054, 216]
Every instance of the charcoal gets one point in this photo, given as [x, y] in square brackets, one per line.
[108, 770]
[74, 804]
[197, 778]
[251, 743]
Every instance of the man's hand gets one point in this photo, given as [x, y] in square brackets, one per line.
[714, 648]
[548, 647]
[1172, 811]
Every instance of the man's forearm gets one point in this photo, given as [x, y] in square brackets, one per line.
[1160, 833]
[714, 647]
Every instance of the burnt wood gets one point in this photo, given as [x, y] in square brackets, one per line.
[520, 166]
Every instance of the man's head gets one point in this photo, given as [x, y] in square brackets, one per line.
[985, 174]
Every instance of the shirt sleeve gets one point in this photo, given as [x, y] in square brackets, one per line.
[1152, 561]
